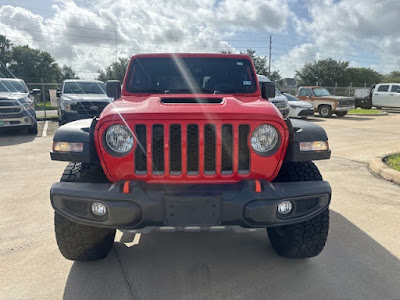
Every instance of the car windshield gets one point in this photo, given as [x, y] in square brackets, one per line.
[12, 86]
[202, 75]
[319, 92]
[277, 92]
[84, 88]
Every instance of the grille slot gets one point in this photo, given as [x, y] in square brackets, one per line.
[158, 149]
[209, 149]
[227, 149]
[192, 149]
[192, 100]
[140, 151]
[244, 152]
[175, 146]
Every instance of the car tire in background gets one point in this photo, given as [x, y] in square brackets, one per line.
[33, 129]
[308, 238]
[325, 111]
[341, 113]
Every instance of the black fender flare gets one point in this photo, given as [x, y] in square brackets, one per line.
[81, 131]
[305, 131]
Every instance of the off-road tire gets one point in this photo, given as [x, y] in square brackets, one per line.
[81, 242]
[33, 129]
[325, 111]
[341, 114]
[305, 239]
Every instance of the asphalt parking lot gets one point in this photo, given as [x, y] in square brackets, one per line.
[360, 260]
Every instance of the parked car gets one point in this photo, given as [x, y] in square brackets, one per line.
[386, 95]
[363, 98]
[190, 159]
[279, 100]
[17, 108]
[325, 103]
[299, 109]
[81, 99]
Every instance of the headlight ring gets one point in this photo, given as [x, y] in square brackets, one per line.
[265, 140]
[118, 140]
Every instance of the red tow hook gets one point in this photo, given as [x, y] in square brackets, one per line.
[125, 189]
[258, 186]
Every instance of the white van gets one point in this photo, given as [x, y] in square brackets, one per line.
[386, 95]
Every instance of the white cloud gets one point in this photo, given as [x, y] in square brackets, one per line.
[85, 36]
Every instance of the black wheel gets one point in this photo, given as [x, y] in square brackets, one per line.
[81, 242]
[305, 239]
[341, 113]
[33, 129]
[378, 107]
[325, 111]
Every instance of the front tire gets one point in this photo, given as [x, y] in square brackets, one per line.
[33, 129]
[305, 239]
[341, 113]
[82, 242]
[325, 111]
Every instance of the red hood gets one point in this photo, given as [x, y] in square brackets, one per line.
[231, 108]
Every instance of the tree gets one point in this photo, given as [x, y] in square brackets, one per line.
[67, 73]
[326, 72]
[393, 76]
[363, 76]
[32, 65]
[114, 71]
[5, 47]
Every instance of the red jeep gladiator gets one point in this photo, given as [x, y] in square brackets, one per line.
[190, 143]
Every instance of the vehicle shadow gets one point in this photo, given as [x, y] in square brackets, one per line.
[13, 136]
[229, 265]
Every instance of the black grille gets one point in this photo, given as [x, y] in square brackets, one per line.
[303, 206]
[91, 108]
[209, 149]
[10, 110]
[140, 152]
[244, 153]
[78, 207]
[175, 149]
[158, 149]
[192, 149]
[154, 138]
[227, 149]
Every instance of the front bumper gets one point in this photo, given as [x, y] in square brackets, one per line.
[306, 112]
[25, 118]
[190, 204]
[67, 117]
[344, 108]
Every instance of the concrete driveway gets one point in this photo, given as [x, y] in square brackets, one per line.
[360, 261]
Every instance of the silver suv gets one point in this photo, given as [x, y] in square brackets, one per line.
[17, 109]
[279, 100]
[81, 99]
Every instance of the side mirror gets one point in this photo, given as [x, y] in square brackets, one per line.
[58, 93]
[268, 90]
[113, 88]
[35, 92]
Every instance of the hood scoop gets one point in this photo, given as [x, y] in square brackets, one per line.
[189, 100]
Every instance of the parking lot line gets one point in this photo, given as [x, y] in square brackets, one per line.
[46, 125]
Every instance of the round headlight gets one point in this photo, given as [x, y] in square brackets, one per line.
[265, 140]
[118, 139]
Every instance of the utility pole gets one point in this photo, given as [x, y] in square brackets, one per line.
[116, 45]
[270, 55]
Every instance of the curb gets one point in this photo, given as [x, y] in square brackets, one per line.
[379, 168]
[370, 115]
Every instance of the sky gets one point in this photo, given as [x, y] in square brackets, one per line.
[89, 35]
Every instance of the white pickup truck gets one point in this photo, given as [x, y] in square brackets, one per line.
[386, 95]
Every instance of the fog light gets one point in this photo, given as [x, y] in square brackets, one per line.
[99, 209]
[285, 207]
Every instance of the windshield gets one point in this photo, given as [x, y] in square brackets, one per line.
[84, 88]
[319, 92]
[277, 92]
[193, 75]
[290, 97]
[12, 86]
